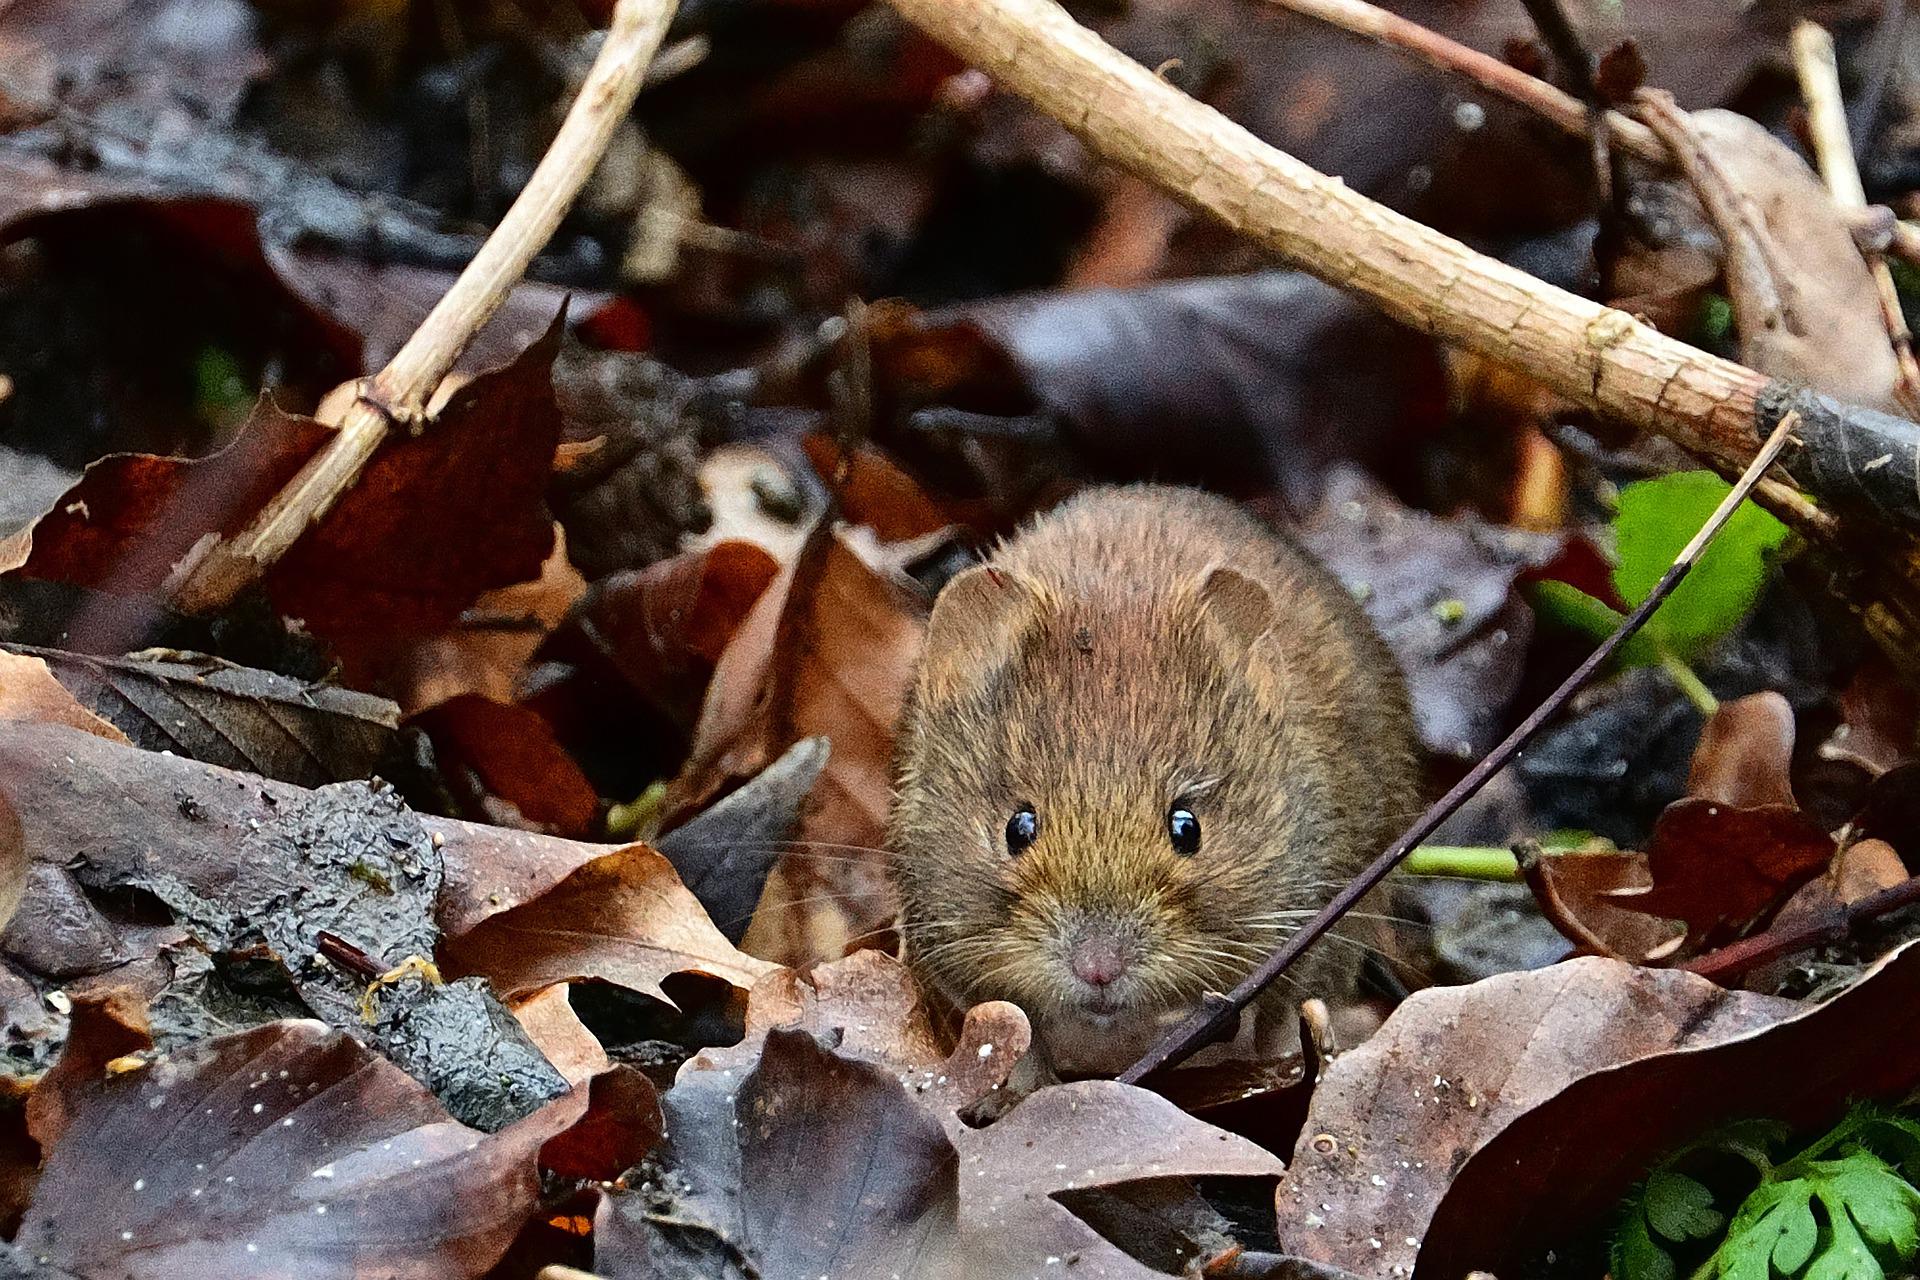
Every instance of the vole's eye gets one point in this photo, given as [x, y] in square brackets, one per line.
[1022, 829]
[1184, 830]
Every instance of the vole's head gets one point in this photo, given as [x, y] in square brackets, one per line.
[1103, 811]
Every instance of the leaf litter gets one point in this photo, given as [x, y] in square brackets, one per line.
[593, 975]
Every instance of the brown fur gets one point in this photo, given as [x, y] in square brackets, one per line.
[1136, 648]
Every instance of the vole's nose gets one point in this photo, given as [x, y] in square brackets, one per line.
[1098, 958]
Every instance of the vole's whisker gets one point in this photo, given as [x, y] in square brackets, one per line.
[778, 905]
[817, 847]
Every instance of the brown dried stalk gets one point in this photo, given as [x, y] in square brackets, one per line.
[1445, 54]
[1819, 72]
[1594, 355]
[399, 393]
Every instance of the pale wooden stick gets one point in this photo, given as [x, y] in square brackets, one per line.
[399, 393]
[1819, 72]
[1594, 355]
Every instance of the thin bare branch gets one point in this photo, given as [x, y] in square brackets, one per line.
[1559, 107]
[1594, 355]
[400, 392]
[1819, 72]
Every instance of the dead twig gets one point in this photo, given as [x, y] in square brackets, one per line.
[1555, 105]
[399, 393]
[1835, 925]
[1373, 23]
[1576, 63]
[1219, 1014]
[1819, 72]
[1596, 356]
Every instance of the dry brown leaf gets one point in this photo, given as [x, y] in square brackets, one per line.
[1576, 891]
[1723, 870]
[127, 806]
[335, 1163]
[623, 918]
[486, 650]
[1453, 1066]
[1563, 1166]
[1745, 756]
[28, 691]
[1804, 305]
[828, 651]
[896, 1182]
[502, 760]
[1879, 720]
[237, 717]
[550, 1022]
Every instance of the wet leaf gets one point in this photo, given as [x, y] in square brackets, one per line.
[1579, 892]
[1566, 1162]
[1441, 594]
[233, 716]
[623, 918]
[1290, 375]
[621, 1124]
[257, 871]
[1879, 721]
[133, 517]
[1453, 1067]
[308, 1154]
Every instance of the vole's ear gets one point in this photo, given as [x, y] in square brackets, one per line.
[977, 622]
[1239, 607]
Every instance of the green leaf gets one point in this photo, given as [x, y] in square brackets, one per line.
[1884, 1205]
[1838, 1210]
[1863, 1202]
[1775, 1226]
[1634, 1255]
[1576, 610]
[1681, 1208]
[1655, 520]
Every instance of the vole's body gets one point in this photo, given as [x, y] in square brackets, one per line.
[1136, 654]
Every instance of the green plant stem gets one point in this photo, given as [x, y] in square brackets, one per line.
[1465, 862]
[1690, 684]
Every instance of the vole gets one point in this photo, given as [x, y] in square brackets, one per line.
[1147, 738]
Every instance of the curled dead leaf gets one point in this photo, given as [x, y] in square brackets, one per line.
[623, 918]
[1453, 1066]
[1564, 1163]
[290, 1150]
